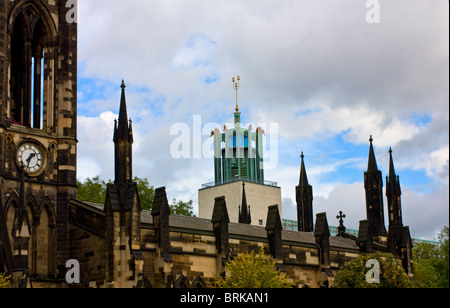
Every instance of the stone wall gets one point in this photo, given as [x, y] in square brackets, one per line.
[192, 257]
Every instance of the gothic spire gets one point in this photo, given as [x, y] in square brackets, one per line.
[123, 140]
[304, 199]
[373, 185]
[393, 181]
[372, 166]
[393, 194]
[303, 181]
[244, 213]
[123, 130]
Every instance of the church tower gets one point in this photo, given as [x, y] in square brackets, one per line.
[123, 141]
[373, 184]
[304, 198]
[393, 194]
[399, 237]
[38, 122]
[124, 261]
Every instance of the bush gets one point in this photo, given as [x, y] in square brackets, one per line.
[431, 262]
[4, 281]
[253, 271]
[353, 273]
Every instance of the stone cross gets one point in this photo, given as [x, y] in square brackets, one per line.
[341, 217]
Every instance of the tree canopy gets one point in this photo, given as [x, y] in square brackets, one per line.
[251, 270]
[354, 274]
[94, 190]
[431, 262]
[4, 281]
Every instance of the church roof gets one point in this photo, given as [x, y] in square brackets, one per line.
[236, 230]
[122, 196]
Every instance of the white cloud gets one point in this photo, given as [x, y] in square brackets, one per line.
[289, 51]
[196, 52]
[357, 122]
[437, 165]
[95, 145]
[419, 211]
[87, 168]
[349, 198]
[426, 214]
[314, 67]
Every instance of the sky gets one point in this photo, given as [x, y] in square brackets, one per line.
[320, 76]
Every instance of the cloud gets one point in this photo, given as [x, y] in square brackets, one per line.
[428, 150]
[357, 122]
[316, 68]
[196, 52]
[95, 147]
[349, 198]
[419, 211]
[292, 51]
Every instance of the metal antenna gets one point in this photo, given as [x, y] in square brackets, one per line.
[236, 85]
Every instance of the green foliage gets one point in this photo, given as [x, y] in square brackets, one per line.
[353, 273]
[182, 208]
[431, 262]
[4, 281]
[94, 190]
[146, 193]
[253, 271]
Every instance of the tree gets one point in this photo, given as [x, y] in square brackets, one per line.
[354, 273]
[443, 265]
[253, 271]
[94, 190]
[431, 262]
[182, 208]
[146, 193]
[4, 281]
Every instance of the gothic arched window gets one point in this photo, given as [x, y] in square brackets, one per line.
[181, 283]
[31, 66]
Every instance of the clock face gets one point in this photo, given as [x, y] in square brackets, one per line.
[30, 157]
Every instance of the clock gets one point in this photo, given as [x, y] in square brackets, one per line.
[29, 156]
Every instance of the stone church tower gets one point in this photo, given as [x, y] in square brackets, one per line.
[38, 136]
[373, 185]
[124, 261]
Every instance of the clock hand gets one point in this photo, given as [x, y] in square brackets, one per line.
[32, 155]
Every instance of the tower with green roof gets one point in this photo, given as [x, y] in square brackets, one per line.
[239, 174]
[238, 151]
